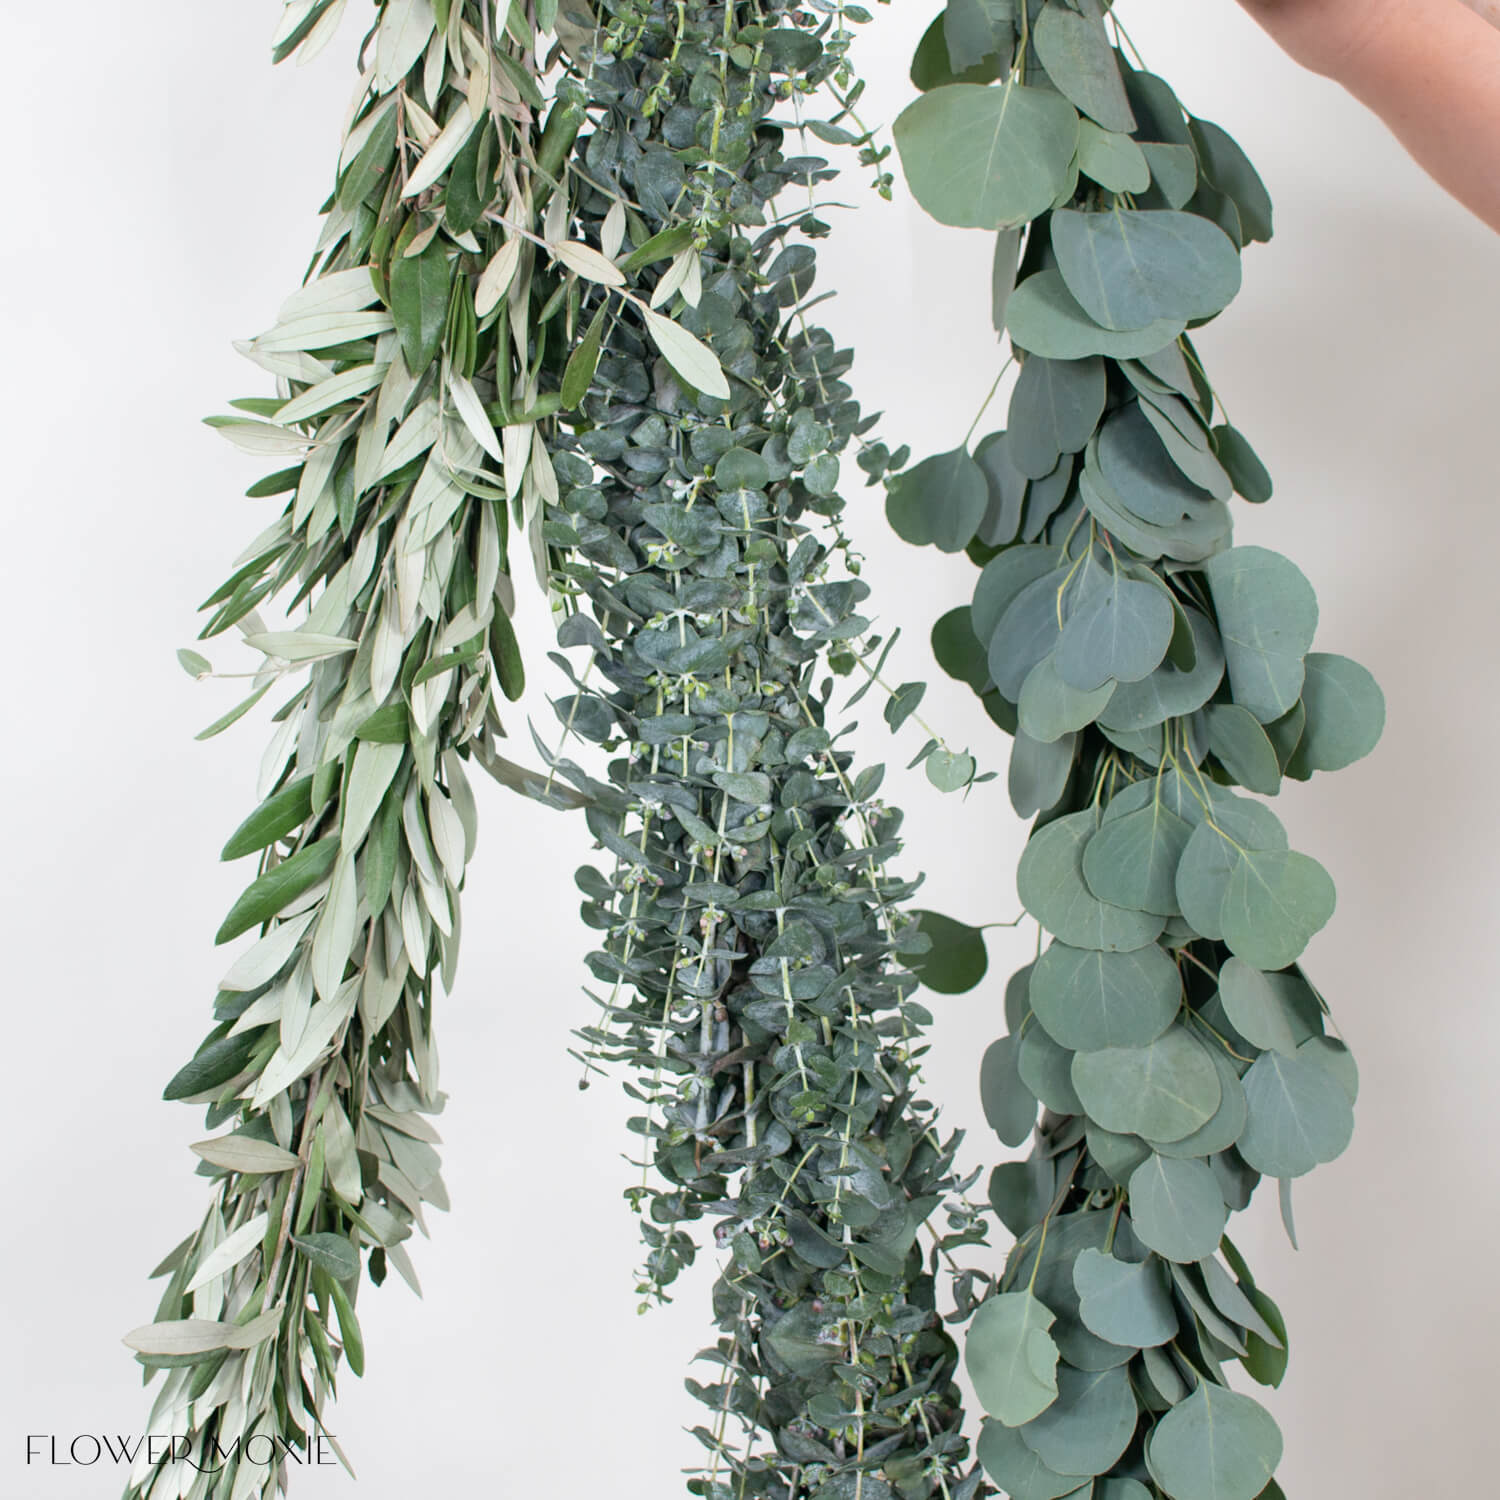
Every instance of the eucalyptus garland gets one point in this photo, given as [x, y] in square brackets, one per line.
[751, 933]
[1151, 674]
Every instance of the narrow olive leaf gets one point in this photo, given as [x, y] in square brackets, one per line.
[278, 887]
[215, 1063]
[689, 357]
[440, 154]
[587, 262]
[370, 167]
[419, 302]
[182, 1336]
[243, 1153]
[578, 375]
[299, 645]
[281, 813]
[495, 279]
[329, 1252]
[194, 664]
[229, 1252]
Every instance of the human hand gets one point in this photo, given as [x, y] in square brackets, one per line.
[1323, 35]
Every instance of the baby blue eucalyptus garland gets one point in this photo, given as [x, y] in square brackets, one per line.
[1151, 673]
[751, 935]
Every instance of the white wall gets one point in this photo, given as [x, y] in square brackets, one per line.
[160, 193]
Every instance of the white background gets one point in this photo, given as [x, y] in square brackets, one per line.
[161, 185]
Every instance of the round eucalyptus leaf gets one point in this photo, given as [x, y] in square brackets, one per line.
[1118, 1155]
[1089, 1426]
[1213, 852]
[1018, 998]
[1001, 582]
[1132, 861]
[958, 958]
[1044, 318]
[939, 502]
[1229, 169]
[1121, 1489]
[1068, 1235]
[1161, 1092]
[1054, 409]
[1345, 715]
[1089, 1000]
[1052, 888]
[1131, 267]
[1112, 159]
[983, 157]
[1124, 1303]
[1263, 1012]
[1170, 693]
[1274, 901]
[1011, 1359]
[1016, 1469]
[1075, 50]
[1050, 707]
[1174, 171]
[1019, 1192]
[1330, 1053]
[1046, 1069]
[1197, 534]
[1267, 616]
[1244, 750]
[1028, 631]
[958, 650]
[1002, 517]
[1045, 498]
[1188, 446]
[1216, 1445]
[1176, 1207]
[1038, 772]
[1120, 634]
[1140, 472]
[931, 66]
[1228, 1122]
[1300, 1115]
[1243, 465]
[1009, 1106]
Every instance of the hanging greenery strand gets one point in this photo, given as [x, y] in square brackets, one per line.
[751, 935]
[395, 534]
[1152, 673]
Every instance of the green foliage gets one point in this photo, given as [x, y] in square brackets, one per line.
[1152, 674]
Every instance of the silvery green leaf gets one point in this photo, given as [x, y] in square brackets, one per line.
[439, 155]
[333, 936]
[295, 646]
[243, 1153]
[338, 292]
[230, 1251]
[323, 331]
[331, 392]
[405, 26]
[265, 958]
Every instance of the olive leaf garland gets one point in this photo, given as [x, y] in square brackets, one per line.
[751, 936]
[395, 532]
[1151, 673]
